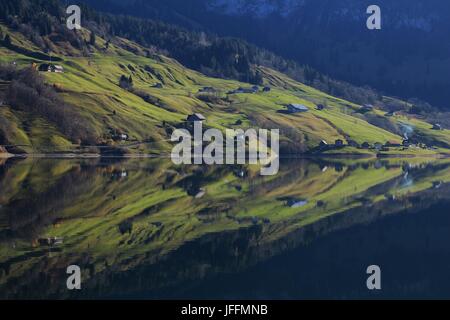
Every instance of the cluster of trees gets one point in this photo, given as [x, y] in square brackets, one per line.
[28, 92]
[126, 82]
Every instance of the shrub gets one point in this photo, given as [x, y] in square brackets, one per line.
[29, 93]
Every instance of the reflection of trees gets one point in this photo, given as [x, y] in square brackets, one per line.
[32, 211]
[156, 249]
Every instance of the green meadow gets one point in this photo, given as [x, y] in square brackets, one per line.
[91, 86]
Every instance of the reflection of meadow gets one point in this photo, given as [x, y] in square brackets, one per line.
[117, 216]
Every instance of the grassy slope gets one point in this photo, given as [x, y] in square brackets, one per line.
[90, 84]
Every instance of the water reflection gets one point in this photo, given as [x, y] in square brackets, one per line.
[143, 228]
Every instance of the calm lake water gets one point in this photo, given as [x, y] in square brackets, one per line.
[146, 229]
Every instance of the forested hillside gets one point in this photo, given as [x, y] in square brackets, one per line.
[406, 58]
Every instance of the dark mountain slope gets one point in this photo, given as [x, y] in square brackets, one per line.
[408, 57]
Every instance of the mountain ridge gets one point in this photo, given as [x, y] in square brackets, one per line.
[406, 58]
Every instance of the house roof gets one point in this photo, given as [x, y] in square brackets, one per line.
[198, 116]
[297, 106]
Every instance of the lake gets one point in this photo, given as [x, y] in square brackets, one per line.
[147, 229]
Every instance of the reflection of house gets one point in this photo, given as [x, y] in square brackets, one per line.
[120, 174]
[121, 136]
[320, 107]
[207, 90]
[196, 117]
[437, 184]
[200, 193]
[51, 68]
[295, 108]
[353, 143]
[51, 241]
[323, 143]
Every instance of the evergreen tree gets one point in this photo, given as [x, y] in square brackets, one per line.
[92, 39]
[7, 40]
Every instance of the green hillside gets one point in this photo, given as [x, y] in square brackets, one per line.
[147, 114]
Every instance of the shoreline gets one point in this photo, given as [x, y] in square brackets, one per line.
[153, 156]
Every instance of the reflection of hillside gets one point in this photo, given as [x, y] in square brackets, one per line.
[143, 216]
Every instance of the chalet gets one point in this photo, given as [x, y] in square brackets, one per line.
[157, 86]
[296, 203]
[254, 89]
[392, 144]
[196, 117]
[320, 107]
[58, 69]
[406, 143]
[367, 108]
[437, 126]
[323, 143]
[378, 145]
[266, 89]
[295, 108]
[339, 143]
[365, 145]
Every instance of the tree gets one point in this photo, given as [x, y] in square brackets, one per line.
[7, 40]
[92, 39]
[126, 83]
